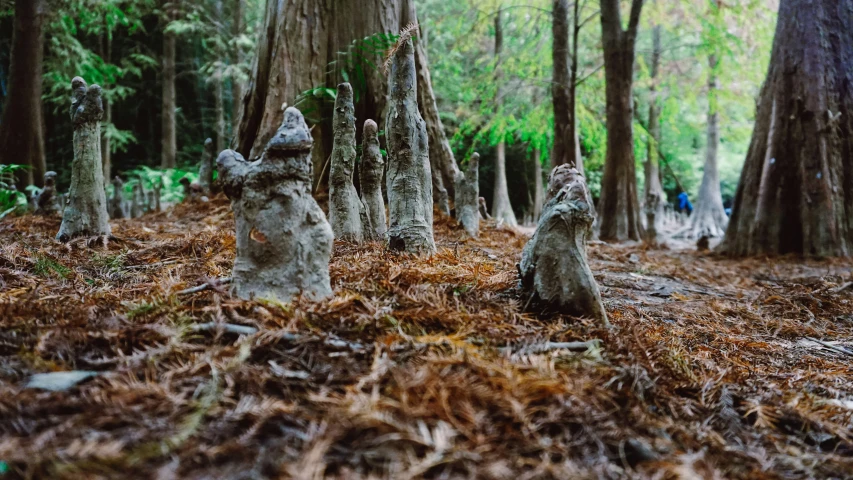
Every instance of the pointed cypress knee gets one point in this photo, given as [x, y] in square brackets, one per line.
[409, 176]
[116, 203]
[554, 269]
[370, 178]
[205, 169]
[467, 192]
[86, 212]
[47, 202]
[346, 212]
[284, 242]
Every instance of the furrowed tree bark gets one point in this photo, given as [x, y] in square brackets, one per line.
[619, 210]
[409, 175]
[467, 196]
[501, 206]
[346, 212]
[795, 193]
[86, 212]
[21, 126]
[284, 242]
[168, 144]
[370, 178]
[655, 198]
[554, 269]
[709, 218]
[205, 169]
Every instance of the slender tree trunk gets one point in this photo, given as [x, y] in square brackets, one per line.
[219, 91]
[560, 84]
[236, 84]
[654, 196]
[618, 206]
[22, 126]
[796, 189]
[709, 219]
[501, 207]
[538, 186]
[168, 145]
[106, 154]
[574, 150]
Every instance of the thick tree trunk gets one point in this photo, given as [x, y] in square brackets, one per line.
[796, 189]
[168, 143]
[409, 177]
[346, 212]
[21, 127]
[501, 207]
[654, 196]
[709, 218]
[86, 213]
[619, 210]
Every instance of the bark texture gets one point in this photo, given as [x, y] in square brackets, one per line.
[501, 206]
[236, 84]
[346, 212]
[370, 178]
[86, 212]
[284, 242]
[554, 269]
[168, 145]
[116, 202]
[205, 169]
[47, 201]
[467, 196]
[560, 84]
[654, 196]
[21, 127]
[409, 175]
[619, 209]
[796, 189]
[709, 218]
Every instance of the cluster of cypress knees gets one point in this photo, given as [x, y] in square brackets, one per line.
[284, 241]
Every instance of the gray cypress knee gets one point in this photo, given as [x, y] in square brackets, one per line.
[116, 204]
[370, 178]
[409, 175]
[86, 212]
[346, 212]
[47, 202]
[284, 242]
[467, 194]
[554, 269]
[205, 170]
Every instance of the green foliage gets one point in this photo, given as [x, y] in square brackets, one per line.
[11, 199]
[48, 267]
[172, 191]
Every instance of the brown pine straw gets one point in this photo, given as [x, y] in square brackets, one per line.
[419, 367]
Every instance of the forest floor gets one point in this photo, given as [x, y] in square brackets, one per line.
[714, 368]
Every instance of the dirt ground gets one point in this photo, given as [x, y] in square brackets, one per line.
[714, 368]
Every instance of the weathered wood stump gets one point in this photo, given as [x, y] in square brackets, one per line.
[467, 193]
[47, 202]
[284, 242]
[346, 212]
[370, 178]
[116, 202]
[86, 212]
[554, 270]
[409, 176]
[205, 169]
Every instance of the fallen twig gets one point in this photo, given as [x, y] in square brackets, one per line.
[226, 327]
[200, 288]
[831, 346]
[549, 346]
[842, 287]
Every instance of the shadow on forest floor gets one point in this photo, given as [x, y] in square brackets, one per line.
[714, 368]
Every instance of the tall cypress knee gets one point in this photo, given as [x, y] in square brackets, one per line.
[205, 170]
[346, 212]
[284, 242]
[409, 176]
[86, 212]
[554, 269]
[467, 195]
[370, 178]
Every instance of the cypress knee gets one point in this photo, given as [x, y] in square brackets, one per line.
[136, 205]
[46, 202]
[116, 206]
[86, 212]
[409, 176]
[467, 190]
[205, 170]
[554, 269]
[284, 242]
[370, 179]
[346, 212]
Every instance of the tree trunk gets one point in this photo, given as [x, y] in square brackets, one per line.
[21, 127]
[796, 189]
[618, 206]
[539, 188]
[501, 207]
[106, 154]
[168, 143]
[86, 213]
[560, 83]
[219, 91]
[655, 199]
[236, 84]
[709, 218]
